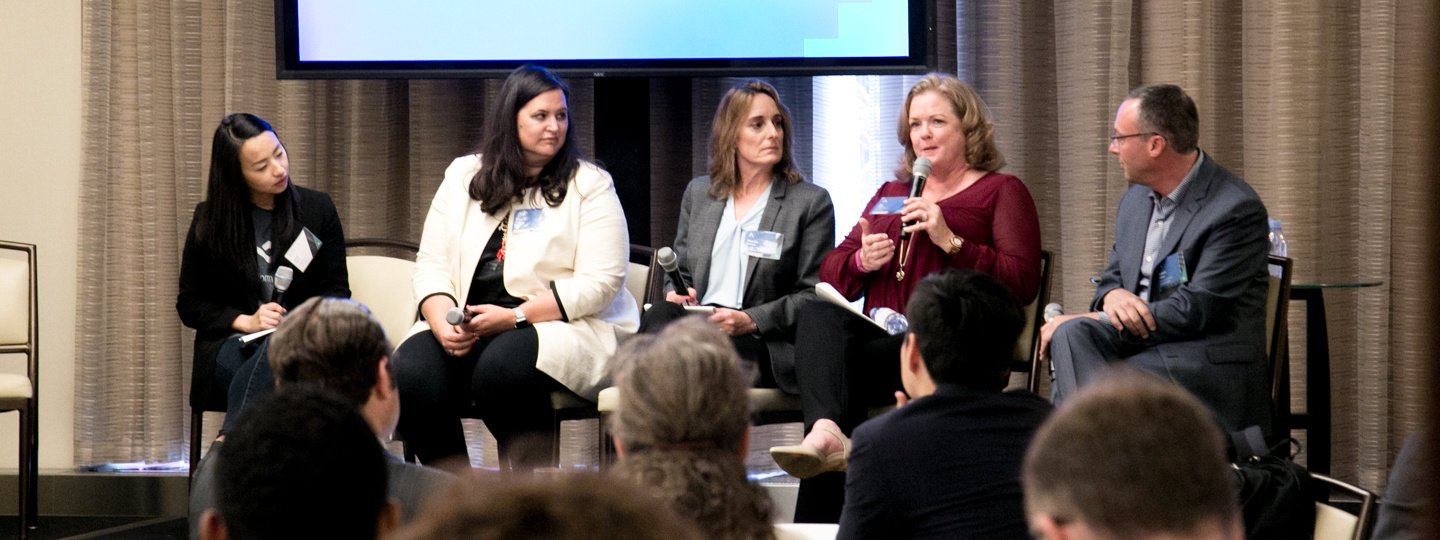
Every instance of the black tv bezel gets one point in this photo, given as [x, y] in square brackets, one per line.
[921, 60]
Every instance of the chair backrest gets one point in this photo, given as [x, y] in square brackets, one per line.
[1277, 306]
[1027, 360]
[382, 282]
[19, 324]
[1333, 523]
[642, 280]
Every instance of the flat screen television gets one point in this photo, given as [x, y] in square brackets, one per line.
[375, 39]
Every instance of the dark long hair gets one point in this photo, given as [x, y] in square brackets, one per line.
[502, 178]
[225, 229]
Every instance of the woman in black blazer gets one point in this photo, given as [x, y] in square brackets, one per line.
[751, 235]
[252, 225]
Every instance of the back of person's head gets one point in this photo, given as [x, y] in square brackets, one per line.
[333, 343]
[1167, 110]
[301, 464]
[965, 323]
[1130, 456]
[566, 507]
[682, 424]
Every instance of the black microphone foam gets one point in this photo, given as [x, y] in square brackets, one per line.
[921, 171]
[668, 262]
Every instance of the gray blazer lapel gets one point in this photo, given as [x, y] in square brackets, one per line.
[1195, 195]
[702, 241]
[778, 187]
[1133, 221]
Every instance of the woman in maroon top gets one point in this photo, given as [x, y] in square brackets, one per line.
[968, 217]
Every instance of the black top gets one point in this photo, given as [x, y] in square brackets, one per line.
[488, 284]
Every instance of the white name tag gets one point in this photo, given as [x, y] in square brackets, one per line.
[302, 250]
[763, 244]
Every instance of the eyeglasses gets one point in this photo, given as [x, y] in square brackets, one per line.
[1115, 139]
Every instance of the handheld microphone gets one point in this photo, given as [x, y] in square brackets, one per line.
[283, 276]
[671, 265]
[1053, 310]
[456, 316]
[921, 170]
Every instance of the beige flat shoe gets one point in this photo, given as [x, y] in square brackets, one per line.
[805, 461]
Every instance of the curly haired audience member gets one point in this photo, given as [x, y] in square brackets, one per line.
[682, 428]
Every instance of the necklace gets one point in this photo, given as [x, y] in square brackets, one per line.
[504, 237]
[906, 246]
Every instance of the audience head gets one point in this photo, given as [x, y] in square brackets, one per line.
[336, 344]
[1131, 456]
[682, 427]
[746, 116]
[1166, 110]
[964, 325]
[566, 507]
[528, 140]
[301, 464]
[978, 134]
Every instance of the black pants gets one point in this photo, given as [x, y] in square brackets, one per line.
[497, 380]
[750, 347]
[845, 366]
[245, 370]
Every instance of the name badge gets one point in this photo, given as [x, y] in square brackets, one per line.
[302, 251]
[763, 244]
[1172, 272]
[529, 219]
[888, 205]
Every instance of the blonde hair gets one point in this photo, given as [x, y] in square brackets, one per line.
[681, 420]
[980, 151]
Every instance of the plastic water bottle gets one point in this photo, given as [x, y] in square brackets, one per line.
[1278, 245]
[893, 322]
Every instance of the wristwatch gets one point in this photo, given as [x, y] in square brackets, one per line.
[519, 316]
[955, 243]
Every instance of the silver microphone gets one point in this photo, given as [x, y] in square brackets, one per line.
[1053, 310]
[283, 276]
[670, 263]
[456, 316]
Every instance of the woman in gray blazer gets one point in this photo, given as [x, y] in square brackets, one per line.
[751, 235]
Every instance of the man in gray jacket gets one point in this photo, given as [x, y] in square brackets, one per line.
[1183, 294]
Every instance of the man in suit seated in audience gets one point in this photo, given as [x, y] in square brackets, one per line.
[947, 463]
[335, 343]
[1183, 294]
[302, 463]
[1131, 457]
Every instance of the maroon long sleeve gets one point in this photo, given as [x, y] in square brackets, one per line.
[996, 217]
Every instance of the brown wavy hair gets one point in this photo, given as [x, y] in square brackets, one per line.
[980, 151]
[682, 420]
[725, 134]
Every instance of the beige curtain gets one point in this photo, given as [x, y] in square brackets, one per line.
[1317, 104]
[1313, 102]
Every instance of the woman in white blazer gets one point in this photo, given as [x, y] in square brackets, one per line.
[529, 242]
